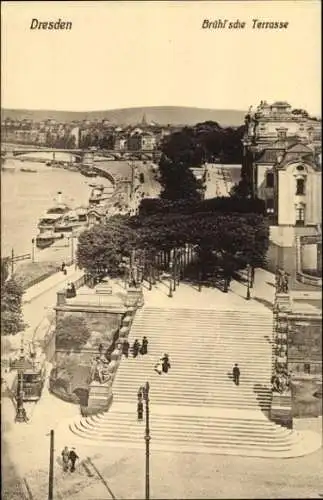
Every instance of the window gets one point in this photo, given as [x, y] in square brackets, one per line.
[270, 180]
[281, 134]
[307, 368]
[300, 216]
[300, 186]
[270, 205]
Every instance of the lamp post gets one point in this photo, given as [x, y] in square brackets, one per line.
[21, 412]
[248, 281]
[33, 250]
[51, 467]
[170, 294]
[143, 393]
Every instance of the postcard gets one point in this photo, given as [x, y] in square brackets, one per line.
[161, 250]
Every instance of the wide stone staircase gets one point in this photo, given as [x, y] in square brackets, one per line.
[196, 406]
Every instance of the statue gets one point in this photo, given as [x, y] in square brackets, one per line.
[281, 281]
[100, 370]
[281, 382]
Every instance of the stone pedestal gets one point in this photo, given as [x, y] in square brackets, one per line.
[281, 409]
[100, 395]
[124, 331]
[61, 298]
[134, 297]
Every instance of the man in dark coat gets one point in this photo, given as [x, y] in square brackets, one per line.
[144, 346]
[125, 348]
[72, 457]
[135, 348]
[165, 363]
[236, 374]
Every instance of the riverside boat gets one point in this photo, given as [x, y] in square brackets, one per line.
[72, 220]
[31, 170]
[47, 238]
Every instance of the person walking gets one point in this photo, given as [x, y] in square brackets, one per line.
[236, 374]
[165, 363]
[64, 271]
[135, 348]
[72, 458]
[144, 346]
[125, 348]
[65, 458]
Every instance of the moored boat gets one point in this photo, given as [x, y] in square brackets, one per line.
[31, 170]
[47, 238]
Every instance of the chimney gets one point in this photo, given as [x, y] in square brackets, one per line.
[59, 197]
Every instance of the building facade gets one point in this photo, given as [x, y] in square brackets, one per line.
[282, 148]
[283, 159]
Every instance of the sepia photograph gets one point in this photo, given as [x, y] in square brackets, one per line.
[161, 250]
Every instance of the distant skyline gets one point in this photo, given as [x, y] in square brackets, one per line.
[134, 54]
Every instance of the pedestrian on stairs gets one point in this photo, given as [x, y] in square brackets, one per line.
[144, 346]
[135, 348]
[125, 348]
[236, 374]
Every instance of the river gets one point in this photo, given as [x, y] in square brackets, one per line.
[25, 196]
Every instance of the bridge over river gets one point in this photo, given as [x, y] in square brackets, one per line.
[81, 155]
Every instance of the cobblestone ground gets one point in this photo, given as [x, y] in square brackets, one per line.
[186, 476]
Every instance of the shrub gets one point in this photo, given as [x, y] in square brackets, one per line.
[71, 332]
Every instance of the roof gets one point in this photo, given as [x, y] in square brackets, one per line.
[299, 148]
[281, 104]
[269, 156]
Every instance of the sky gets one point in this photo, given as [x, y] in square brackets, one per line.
[129, 54]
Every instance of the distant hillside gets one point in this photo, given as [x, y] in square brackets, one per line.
[163, 115]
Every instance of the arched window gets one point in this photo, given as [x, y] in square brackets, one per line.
[269, 180]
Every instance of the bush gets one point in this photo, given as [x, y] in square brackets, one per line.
[71, 332]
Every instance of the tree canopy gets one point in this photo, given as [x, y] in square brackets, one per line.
[11, 303]
[71, 333]
[102, 247]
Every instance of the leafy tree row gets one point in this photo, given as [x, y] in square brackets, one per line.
[238, 238]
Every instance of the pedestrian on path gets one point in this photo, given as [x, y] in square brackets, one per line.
[64, 270]
[72, 458]
[65, 458]
[236, 374]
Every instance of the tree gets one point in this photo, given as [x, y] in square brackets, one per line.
[101, 248]
[178, 181]
[11, 306]
[71, 333]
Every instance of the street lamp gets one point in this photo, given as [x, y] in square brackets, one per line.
[143, 394]
[21, 412]
[170, 294]
[248, 281]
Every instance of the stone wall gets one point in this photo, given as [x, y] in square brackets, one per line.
[305, 345]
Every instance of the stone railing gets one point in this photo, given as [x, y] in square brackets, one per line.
[281, 408]
[101, 395]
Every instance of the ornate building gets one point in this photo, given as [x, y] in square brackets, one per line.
[282, 149]
[282, 155]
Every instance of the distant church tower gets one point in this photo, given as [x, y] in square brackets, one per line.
[144, 121]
